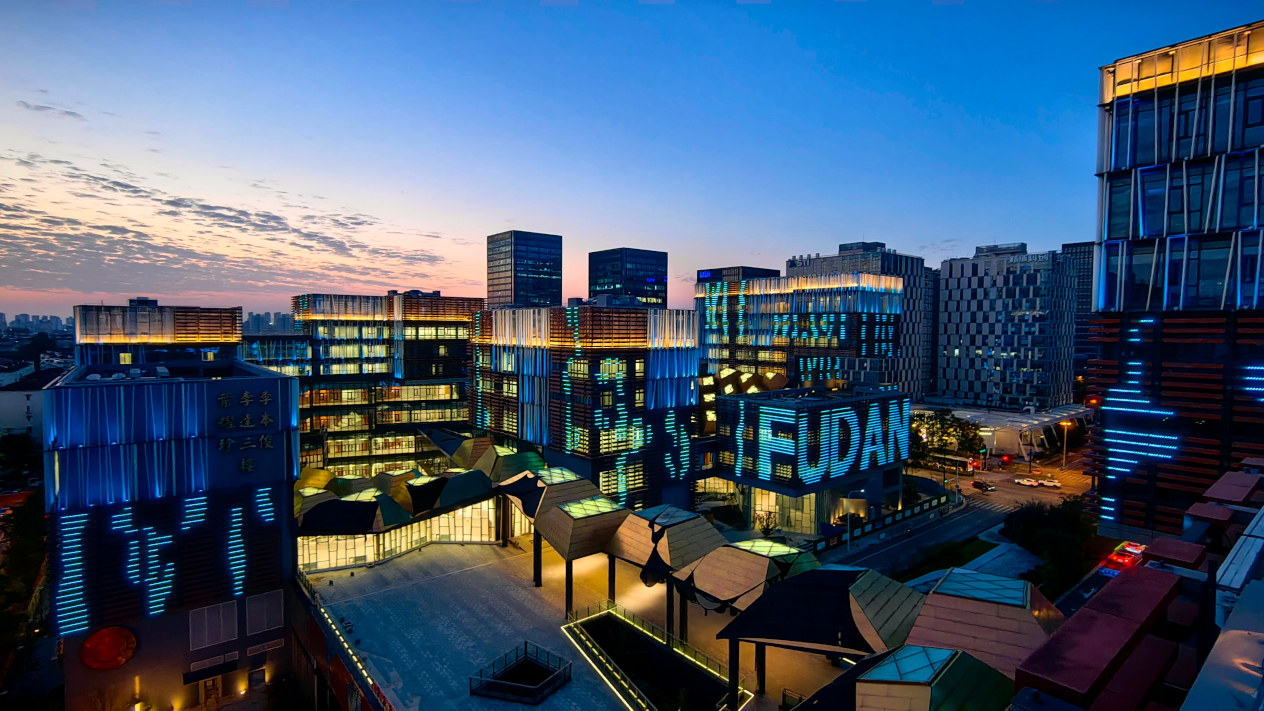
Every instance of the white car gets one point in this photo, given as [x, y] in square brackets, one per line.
[1026, 482]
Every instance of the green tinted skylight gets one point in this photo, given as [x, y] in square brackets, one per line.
[311, 491]
[557, 475]
[910, 664]
[421, 480]
[589, 507]
[982, 586]
[766, 548]
[368, 494]
[666, 515]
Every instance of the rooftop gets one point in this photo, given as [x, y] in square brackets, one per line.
[105, 374]
[810, 398]
[910, 664]
[593, 506]
[960, 582]
[36, 380]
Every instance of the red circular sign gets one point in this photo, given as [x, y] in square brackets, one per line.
[108, 648]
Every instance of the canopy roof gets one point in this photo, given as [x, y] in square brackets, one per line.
[356, 505]
[661, 539]
[998, 620]
[956, 680]
[835, 609]
[734, 575]
[501, 463]
[580, 528]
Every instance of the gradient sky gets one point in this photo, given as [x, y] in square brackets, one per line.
[236, 153]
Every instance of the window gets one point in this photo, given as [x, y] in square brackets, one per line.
[125, 358]
[212, 625]
[577, 368]
[726, 458]
[264, 612]
[640, 397]
[607, 398]
[208, 355]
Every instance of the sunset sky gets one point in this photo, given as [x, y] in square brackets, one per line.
[236, 153]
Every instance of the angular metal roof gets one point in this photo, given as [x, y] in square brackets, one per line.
[911, 663]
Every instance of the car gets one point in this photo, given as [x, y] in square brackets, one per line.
[982, 485]
[1050, 482]
[1024, 481]
[1125, 555]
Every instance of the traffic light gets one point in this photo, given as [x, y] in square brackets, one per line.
[1005, 458]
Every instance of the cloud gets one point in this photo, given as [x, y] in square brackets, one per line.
[51, 110]
[115, 232]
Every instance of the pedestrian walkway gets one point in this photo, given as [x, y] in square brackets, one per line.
[986, 505]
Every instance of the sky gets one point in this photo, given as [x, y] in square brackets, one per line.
[238, 153]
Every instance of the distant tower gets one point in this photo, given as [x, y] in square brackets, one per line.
[524, 269]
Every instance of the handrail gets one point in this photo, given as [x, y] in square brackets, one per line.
[621, 682]
[485, 682]
[704, 660]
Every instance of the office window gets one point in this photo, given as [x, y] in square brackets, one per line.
[125, 358]
[212, 625]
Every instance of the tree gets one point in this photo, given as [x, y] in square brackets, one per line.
[766, 522]
[1063, 537]
[39, 344]
[942, 432]
[910, 493]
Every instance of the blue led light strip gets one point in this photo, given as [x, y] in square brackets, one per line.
[236, 552]
[263, 505]
[194, 512]
[72, 607]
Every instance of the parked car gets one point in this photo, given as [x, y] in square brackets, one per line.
[1050, 482]
[1024, 481]
[982, 485]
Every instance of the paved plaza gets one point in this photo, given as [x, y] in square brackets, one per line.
[425, 621]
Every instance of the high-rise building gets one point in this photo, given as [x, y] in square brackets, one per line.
[606, 392]
[169, 509]
[624, 271]
[524, 269]
[144, 332]
[736, 274]
[930, 345]
[1079, 256]
[1006, 320]
[374, 371]
[913, 357]
[1177, 277]
[815, 330]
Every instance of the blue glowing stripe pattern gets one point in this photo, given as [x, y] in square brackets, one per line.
[144, 566]
[236, 551]
[263, 505]
[194, 512]
[1253, 381]
[1129, 397]
[71, 605]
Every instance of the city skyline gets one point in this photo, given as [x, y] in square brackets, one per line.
[201, 164]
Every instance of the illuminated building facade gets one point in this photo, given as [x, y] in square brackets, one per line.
[1079, 258]
[1177, 277]
[167, 499]
[815, 330]
[144, 332]
[524, 269]
[736, 274]
[913, 358]
[624, 271]
[798, 453]
[1006, 329]
[609, 393]
[373, 372]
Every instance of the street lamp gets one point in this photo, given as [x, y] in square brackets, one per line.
[1066, 429]
[849, 514]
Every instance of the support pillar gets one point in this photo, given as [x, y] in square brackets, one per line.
[503, 508]
[537, 563]
[761, 666]
[684, 618]
[735, 670]
[671, 606]
[570, 587]
[611, 576]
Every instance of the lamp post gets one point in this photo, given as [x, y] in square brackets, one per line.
[1066, 430]
[849, 514]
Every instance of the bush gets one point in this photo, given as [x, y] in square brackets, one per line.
[1064, 537]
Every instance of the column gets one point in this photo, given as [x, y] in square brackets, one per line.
[684, 618]
[537, 564]
[761, 666]
[735, 670]
[611, 576]
[570, 587]
[671, 605]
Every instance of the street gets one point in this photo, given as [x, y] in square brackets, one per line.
[983, 511]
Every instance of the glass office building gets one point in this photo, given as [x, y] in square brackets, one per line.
[1006, 322]
[624, 271]
[1079, 258]
[524, 269]
[914, 357]
[1177, 276]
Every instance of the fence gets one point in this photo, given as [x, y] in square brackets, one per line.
[881, 524]
[619, 681]
[675, 643]
[486, 683]
[790, 699]
[350, 659]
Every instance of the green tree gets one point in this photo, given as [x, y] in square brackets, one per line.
[941, 432]
[1064, 537]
